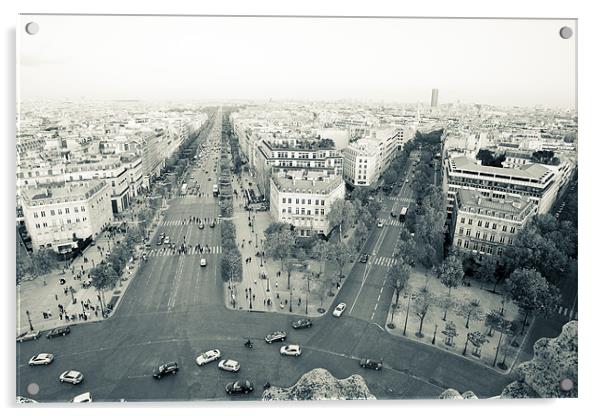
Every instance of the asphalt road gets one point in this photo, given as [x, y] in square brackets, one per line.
[173, 311]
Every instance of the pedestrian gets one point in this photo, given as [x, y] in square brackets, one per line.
[253, 296]
[264, 303]
[56, 297]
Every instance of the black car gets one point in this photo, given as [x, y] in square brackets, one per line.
[371, 364]
[212, 224]
[364, 258]
[302, 323]
[165, 369]
[239, 386]
[58, 332]
[275, 336]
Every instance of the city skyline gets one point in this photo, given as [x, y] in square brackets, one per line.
[510, 62]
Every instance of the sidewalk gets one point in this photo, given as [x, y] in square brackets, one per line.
[269, 294]
[39, 298]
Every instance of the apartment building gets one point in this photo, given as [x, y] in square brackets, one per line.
[536, 182]
[304, 198]
[59, 217]
[485, 225]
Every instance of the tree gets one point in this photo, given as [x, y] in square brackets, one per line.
[450, 333]
[360, 234]
[531, 292]
[398, 277]
[341, 254]
[319, 251]
[279, 244]
[470, 309]
[450, 273]
[289, 266]
[42, 262]
[338, 215]
[477, 339]
[24, 264]
[486, 272]
[421, 305]
[231, 265]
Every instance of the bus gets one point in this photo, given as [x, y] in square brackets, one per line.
[403, 213]
[215, 190]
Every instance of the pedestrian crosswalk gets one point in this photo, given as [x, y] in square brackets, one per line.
[391, 221]
[166, 251]
[564, 311]
[404, 199]
[195, 196]
[186, 222]
[382, 261]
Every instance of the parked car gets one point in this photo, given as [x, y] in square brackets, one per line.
[338, 311]
[71, 376]
[201, 226]
[203, 262]
[229, 365]
[28, 336]
[83, 398]
[165, 369]
[208, 356]
[58, 332]
[166, 240]
[292, 349]
[371, 364]
[212, 224]
[42, 358]
[275, 336]
[380, 224]
[302, 323]
[239, 386]
[364, 258]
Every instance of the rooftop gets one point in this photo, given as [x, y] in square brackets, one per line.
[530, 172]
[306, 182]
[73, 191]
[475, 201]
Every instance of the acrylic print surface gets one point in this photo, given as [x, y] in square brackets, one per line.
[255, 208]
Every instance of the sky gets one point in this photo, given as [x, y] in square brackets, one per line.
[498, 62]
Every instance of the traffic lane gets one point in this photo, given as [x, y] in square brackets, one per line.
[371, 294]
[389, 241]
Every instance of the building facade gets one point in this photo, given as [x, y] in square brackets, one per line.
[303, 199]
[485, 225]
[56, 218]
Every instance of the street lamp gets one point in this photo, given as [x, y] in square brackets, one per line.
[405, 325]
[250, 299]
[290, 300]
[29, 320]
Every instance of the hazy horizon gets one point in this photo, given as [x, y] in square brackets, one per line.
[521, 63]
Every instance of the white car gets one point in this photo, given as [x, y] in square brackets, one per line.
[203, 262]
[82, 398]
[166, 241]
[338, 311]
[229, 365]
[41, 359]
[291, 349]
[380, 224]
[208, 356]
[71, 376]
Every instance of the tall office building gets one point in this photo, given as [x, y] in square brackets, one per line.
[434, 97]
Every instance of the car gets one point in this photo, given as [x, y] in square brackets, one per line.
[291, 349]
[302, 323]
[380, 224]
[275, 336]
[371, 364]
[201, 226]
[28, 336]
[42, 358]
[82, 398]
[71, 376]
[364, 258]
[58, 332]
[407, 181]
[166, 240]
[159, 242]
[208, 356]
[212, 224]
[229, 365]
[239, 386]
[338, 311]
[165, 369]
[203, 262]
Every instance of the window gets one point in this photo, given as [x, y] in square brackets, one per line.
[297, 210]
[283, 210]
[302, 211]
[478, 234]
[489, 250]
[465, 243]
[487, 224]
[502, 239]
[459, 242]
[504, 228]
[512, 229]
[35, 215]
[303, 201]
[510, 241]
[468, 233]
[75, 210]
[289, 210]
[290, 200]
[309, 202]
[461, 231]
[51, 212]
[470, 221]
[66, 210]
[45, 225]
[484, 236]
[322, 211]
[500, 251]
[69, 221]
[475, 246]
[462, 220]
[60, 211]
[322, 202]
[480, 223]
[38, 226]
[296, 200]
[317, 211]
[494, 226]
[43, 213]
[492, 238]
[284, 200]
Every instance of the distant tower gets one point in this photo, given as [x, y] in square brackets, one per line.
[434, 97]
